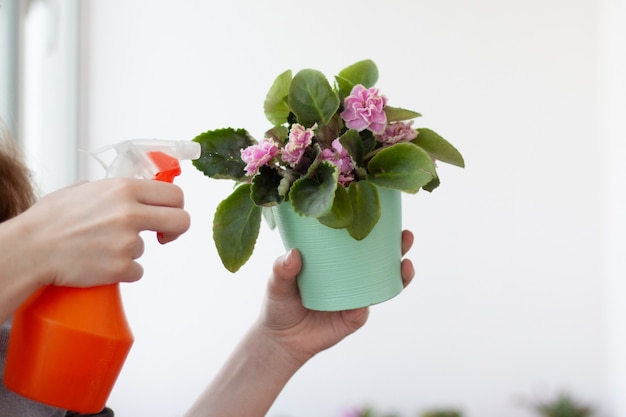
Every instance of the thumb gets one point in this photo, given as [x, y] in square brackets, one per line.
[355, 319]
[285, 271]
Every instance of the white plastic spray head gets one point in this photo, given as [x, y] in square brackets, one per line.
[140, 158]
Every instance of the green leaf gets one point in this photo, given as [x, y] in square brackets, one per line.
[438, 147]
[313, 195]
[363, 72]
[275, 105]
[220, 155]
[352, 143]
[340, 215]
[365, 208]
[311, 98]
[279, 134]
[325, 134]
[369, 141]
[395, 114]
[434, 183]
[344, 86]
[264, 190]
[236, 228]
[402, 166]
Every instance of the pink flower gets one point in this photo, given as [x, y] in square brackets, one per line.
[339, 157]
[364, 109]
[255, 156]
[397, 132]
[299, 138]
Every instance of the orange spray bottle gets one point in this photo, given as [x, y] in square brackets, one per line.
[68, 345]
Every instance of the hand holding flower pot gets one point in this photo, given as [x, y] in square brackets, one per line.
[336, 158]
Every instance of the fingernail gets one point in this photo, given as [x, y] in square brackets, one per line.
[289, 257]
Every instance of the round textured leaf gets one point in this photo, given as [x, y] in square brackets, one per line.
[340, 215]
[220, 155]
[264, 190]
[353, 144]
[236, 228]
[438, 147]
[275, 105]
[313, 195]
[311, 98]
[365, 208]
[344, 86]
[403, 166]
[363, 72]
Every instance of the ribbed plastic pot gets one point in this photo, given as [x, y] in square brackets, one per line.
[339, 272]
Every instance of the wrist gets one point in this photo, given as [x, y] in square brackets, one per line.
[20, 273]
[32, 252]
[278, 350]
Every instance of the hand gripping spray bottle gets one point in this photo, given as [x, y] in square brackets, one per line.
[68, 345]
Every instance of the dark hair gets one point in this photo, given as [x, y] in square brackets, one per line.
[16, 189]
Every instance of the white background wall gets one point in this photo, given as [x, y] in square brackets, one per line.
[514, 263]
[614, 107]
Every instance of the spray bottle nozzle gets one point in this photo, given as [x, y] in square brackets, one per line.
[148, 158]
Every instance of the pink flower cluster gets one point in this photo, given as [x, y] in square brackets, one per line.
[397, 132]
[364, 109]
[299, 139]
[340, 158]
[255, 156]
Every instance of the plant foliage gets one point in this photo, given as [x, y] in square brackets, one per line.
[329, 148]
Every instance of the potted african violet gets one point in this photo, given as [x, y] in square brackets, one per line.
[328, 173]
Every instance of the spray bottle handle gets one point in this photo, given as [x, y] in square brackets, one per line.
[168, 168]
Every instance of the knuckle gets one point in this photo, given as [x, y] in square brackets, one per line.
[178, 196]
[123, 186]
[128, 215]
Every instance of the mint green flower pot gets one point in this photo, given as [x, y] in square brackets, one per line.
[339, 272]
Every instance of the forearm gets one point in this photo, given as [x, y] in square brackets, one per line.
[251, 379]
[19, 273]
